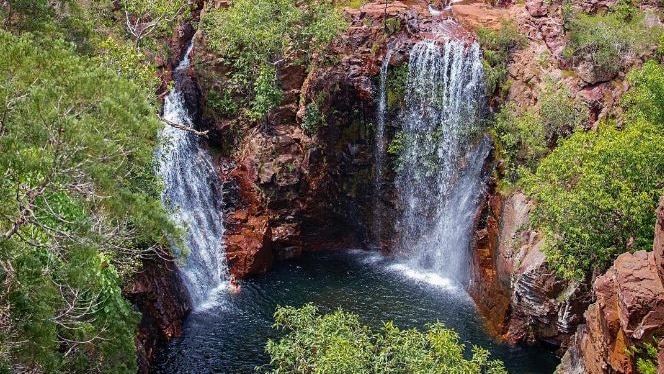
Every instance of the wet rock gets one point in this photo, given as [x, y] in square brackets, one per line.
[158, 292]
[490, 285]
[247, 230]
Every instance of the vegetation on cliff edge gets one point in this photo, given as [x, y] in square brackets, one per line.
[255, 38]
[79, 200]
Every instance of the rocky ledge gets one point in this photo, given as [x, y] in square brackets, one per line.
[628, 313]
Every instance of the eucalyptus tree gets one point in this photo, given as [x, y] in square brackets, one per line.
[79, 207]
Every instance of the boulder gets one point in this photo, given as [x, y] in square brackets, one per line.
[537, 8]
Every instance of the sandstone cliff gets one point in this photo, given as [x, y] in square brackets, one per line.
[288, 190]
[628, 313]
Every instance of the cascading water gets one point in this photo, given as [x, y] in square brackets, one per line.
[379, 151]
[193, 196]
[439, 172]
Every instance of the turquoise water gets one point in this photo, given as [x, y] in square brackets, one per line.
[229, 335]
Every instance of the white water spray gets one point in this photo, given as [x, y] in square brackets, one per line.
[193, 196]
[379, 150]
[439, 175]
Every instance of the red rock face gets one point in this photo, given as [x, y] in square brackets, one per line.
[522, 299]
[658, 245]
[629, 312]
[247, 236]
[287, 190]
[159, 294]
[490, 285]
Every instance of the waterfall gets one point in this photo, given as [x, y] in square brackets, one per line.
[192, 194]
[443, 152]
[379, 150]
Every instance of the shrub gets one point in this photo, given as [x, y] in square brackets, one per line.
[645, 99]
[596, 196]
[607, 40]
[498, 47]
[646, 357]
[526, 137]
[338, 343]
[522, 139]
[397, 79]
[312, 120]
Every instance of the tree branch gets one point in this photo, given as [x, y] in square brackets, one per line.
[202, 134]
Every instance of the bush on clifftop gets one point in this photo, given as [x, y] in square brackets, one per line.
[596, 194]
[254, 36]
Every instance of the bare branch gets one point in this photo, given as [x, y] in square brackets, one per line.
[203, 134]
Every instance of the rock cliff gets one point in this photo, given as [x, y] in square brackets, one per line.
[628, 313]
[521, 297]
[158, 292]
[289, 190]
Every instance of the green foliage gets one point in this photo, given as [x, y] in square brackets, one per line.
[606, 40]
[339, 343]
[253, 36]
[647, 362]
[498, 47]
[527, 137]
[645, 356]
[267, 93]
[67, 19]
[79, 205]
[398, 144]
[222, 102]
[312, 120]
[128, 62]
[355, 4]
[522, 139]
[596, 196]
[392, 25]
[397, 79]
[559, 112]
[645, 99]
[597, 192]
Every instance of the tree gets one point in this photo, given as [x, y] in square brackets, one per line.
[79, 207]
[254, 37]
[144, 17]
[338, 343]
[596, 195]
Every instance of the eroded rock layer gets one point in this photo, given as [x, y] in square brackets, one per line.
[628, 313]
